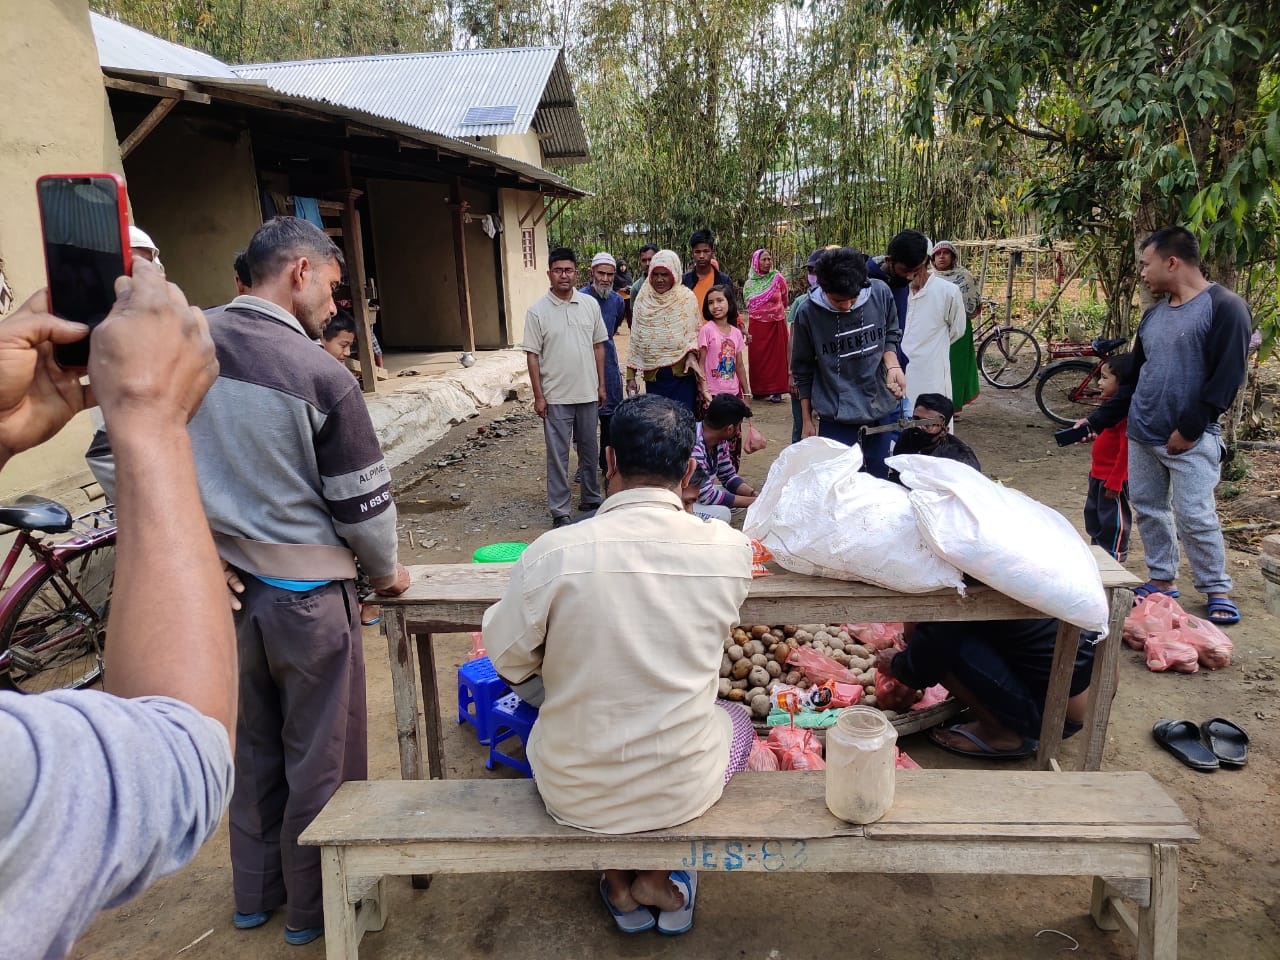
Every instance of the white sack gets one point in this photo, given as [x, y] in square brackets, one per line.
[820, 516]
[1002, 537]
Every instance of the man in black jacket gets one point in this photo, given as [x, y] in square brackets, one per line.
[1189, 359]
[704, 274]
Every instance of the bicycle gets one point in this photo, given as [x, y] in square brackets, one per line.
[1008, 356]
[53, 618]
[1068, 389]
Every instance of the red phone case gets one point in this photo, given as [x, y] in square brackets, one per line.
[122, 217]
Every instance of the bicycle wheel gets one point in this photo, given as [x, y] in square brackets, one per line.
[51, 640]
[1008, 358]
[1069, 391]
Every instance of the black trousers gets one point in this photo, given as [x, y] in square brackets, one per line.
[301, 733]
[1108, 520]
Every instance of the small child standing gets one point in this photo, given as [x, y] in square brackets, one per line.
[1107, 517]
[720, 344]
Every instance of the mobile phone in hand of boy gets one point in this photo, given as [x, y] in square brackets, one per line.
[85, 222]
[1072, 435]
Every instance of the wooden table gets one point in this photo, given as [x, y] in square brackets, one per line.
[448, 598]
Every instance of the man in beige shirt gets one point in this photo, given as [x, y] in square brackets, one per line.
[564, 338]
[624, 618]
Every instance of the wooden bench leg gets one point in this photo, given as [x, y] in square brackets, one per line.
[1105, 680]
[431, 705]
[341, 935]
[373, 907]
[1055, 706]
[404, 692]
[1158, 922]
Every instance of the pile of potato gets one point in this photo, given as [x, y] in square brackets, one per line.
[755, 659]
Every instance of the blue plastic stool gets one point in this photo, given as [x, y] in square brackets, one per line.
[479, 688]
[510, 717]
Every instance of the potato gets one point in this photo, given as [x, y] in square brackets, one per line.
[758, 676]
[753, 692]
[891, 714]
[723, 689]
[758, 659]
[735, 652]
[822, 637]
[740, 669]
[782, 652]
[740, 635]
[777, 632]
[844, 636]
[759, 631]
[869, 700]
[794, 677]
[812, 628]
[737, 695]
[773, 668]
[802, 635]
[757, 647]
[726, 665]
[760, 707]
[739, 684]
[860, 651]
[790, 630]
[771, 686]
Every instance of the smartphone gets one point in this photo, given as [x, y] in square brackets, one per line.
[84, 218]
[1071, 435]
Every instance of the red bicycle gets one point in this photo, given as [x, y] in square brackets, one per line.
[1068, 389]
[53, 619]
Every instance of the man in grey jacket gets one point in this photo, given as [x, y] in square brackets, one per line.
[296, 490]
[843, 356]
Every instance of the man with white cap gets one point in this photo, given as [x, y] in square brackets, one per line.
[141, 245]
[613, 310]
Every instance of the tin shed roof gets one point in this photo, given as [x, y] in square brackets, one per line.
[128, 49]
[460, 93]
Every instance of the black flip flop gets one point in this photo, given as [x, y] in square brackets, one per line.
[1229, 743]
[1182, 739]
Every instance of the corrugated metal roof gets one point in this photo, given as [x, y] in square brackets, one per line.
[122, 47]
[434, 91]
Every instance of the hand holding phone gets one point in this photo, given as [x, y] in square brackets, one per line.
[85, 222]
[1066, 437]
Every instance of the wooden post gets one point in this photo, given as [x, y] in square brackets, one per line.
[1008, 289]
[353, 241]
[460, 266]
[982, 276]
[1035, 276]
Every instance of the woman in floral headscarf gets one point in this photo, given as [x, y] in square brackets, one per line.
[964, 364]
[664, 334]
[767, 295]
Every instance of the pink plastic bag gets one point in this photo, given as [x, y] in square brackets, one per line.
[892, 694]
[932, 697]
[1213, 647]
[761, 757]
[903, 762]
[875, 636]
[1156, 613]
[819, 667]
[797, 749]
[1167, 651]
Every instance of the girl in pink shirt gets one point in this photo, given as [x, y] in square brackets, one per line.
[720, 343]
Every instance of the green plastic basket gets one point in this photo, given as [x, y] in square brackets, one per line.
[499, 553]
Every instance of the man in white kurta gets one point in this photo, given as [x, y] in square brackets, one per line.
[935, 320]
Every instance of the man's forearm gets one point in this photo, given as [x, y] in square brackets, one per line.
[170, 631]
[535, 375]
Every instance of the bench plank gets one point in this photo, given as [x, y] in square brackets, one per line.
[950, 804]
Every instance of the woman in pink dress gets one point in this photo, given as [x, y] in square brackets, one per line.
[767, 296]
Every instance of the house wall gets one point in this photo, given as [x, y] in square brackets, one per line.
[521, 285]
[56, 120]
[523, 146]
[194, 190]
[412, 231]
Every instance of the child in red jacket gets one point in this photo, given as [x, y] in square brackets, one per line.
[1107, 517]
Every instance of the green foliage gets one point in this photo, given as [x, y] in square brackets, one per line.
[1237, 468]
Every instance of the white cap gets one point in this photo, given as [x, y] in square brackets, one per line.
[140, 238]
[602, 257]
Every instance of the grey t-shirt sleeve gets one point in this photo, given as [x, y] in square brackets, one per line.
[100, 798]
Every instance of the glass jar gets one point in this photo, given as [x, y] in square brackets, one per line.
[861, 757]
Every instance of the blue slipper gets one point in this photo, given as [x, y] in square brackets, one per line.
[1223, 611]
[247, 921]
[673, 922]
[1148, 588]
[299, 938]
[629, 921]
[985, 751]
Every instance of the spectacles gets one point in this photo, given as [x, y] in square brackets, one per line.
[564, 269]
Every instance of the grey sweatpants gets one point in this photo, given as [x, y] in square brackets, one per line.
[300, 734]
[1175, 493]
[564, 423]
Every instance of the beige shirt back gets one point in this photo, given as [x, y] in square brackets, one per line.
[625, 616]
[563, 333]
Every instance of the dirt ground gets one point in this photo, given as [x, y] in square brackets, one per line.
[484, 483]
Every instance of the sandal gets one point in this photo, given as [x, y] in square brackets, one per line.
[628, 921]
[1148, 588]
[1229, 743]
[673, 922]
[1223, 611]
[1182, 739]
[985, 751]
[248, 921]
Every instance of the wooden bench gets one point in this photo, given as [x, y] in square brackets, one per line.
[1122, 829]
